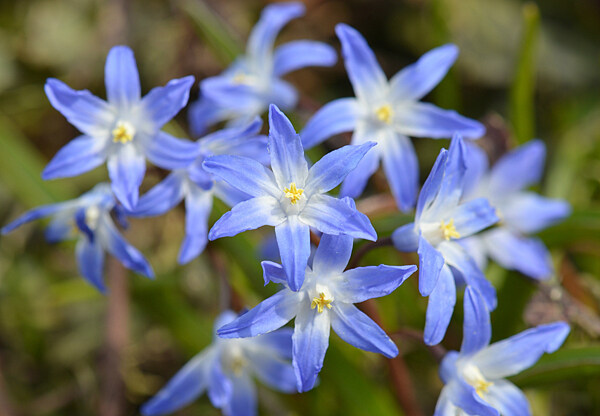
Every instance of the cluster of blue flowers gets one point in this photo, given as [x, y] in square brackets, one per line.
[465, 212]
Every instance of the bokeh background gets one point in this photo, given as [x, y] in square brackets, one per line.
[525, 69]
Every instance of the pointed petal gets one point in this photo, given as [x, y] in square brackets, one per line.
[88, 113]
[90, 260]
[300, 54]
[126, 170]
[272, 19]
[366, 76]
[278, 342]
[269, 315]
[357, 179]
[272, 370]
[245, 174]
[508, 399]
[228, 194]
[311, 340]
[529, 213]
[188, 384]
[273, 272]
[60, 228]
[401, 168]
[473, 216]
[333, 168]
[248, 215]
[452, 183]
[417, 80]
[243, 399]
[293, 240]
[161, 104]
[287, 156]
[440, 307]
[333, 254]
[36, 213]
[513, 355]
[405, 238]
[431, 262]
[419, 119]
[121, 77]
[444, 406]
[477, 166]
[204, 113]
[432, 184]
[357, 329]
[80, 155]
[161, 198]
[220, 388]
[239, 99]
[283, 94]
[170, 152]
[198, 205]
[364, 283]
[477, 330]
[333, 216]
[337, 116]
[464, 397]
[515, 252]
[519, 168]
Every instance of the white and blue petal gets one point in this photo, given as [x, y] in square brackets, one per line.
[90, 261]
[170, 152]
[242, 401]
[508, 399]
[293, 240]
[163, 197]
[273, 272]
[161, 104]
[364, 283]
[431, 262]
[126, 169]
[122, 78]
[440, 307]
[463, 396]
[473, 216]
[405, 238]
[311, 340]
[337, 116]
[198, 205]
[529, 213]
[519, 168]
[300, 54]
[272, 370]
[80, 155]
[401, 168]
[477, 330]
[37, 213]
[243, 173]
[333, 254]
[432, 184]
[220, 388]
[357, 179]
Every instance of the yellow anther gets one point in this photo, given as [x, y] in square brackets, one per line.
[238, 364]
[384, 113]
[123, 133]
[240, 78]
[321, 301]
[293, 193]
[449, 230]
[482, 386]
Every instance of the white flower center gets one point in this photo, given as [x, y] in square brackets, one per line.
[123, 132]
[474, 377]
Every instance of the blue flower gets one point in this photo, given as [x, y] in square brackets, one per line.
[253, 81]
[521, 212]
[388, 112]
[441, 219]
[291, 197]
[197, 187]
[88, 219]
[325, 300]
[474, 378]
[225, 370]
[123, 131]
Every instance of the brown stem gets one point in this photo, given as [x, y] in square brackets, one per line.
[365, 248]
[112, 393]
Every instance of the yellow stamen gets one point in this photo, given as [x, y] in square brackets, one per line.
[238, 364]
[449, 230]
[482, 386]
[321, 301]
[293, 193]
[123, 133]
[240, 78]
[384, 113]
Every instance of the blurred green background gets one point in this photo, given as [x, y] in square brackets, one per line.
[525, 69]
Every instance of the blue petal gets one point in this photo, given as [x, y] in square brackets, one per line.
[189, 383]
[300, 54]
[204, 113]
[451, 186]
[357, 329]
[476, 325]
[405, 238]
[356, 181]
[196, 173]
[60, 228]
[121, 77]
[170, 152]
[248, 215]
[333, 216]
[273, 272]
[432, 184]
[401, 168]
[285, 147]
[228, 194]
[88, 113]
[293, 240]
[245, 174]
[464, 397]
[161, 198]
[333, 168]
[36, 213]
[440, 307]
[90, 260]
[513, 251]
[311, 339]
[81, 223]
[272, 370]
[364, 283]
[279, 342]
[333, 254]
[198, 205]
[239, 98]
[508, 399]
[477, 167]
[267, 316]
[513, 355]
[519, 168]
[220, 388]
[227, 140]
[417, 80]
[530, 213]
[126, 169]
[243, 399]
[473, 216]
[335, 117]
[366, 76]
[161, 104]
[444, 406]
[283, 95]
[80, 155]
[272, 19]
[431, 262]
[426, 120]
[122, 250]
